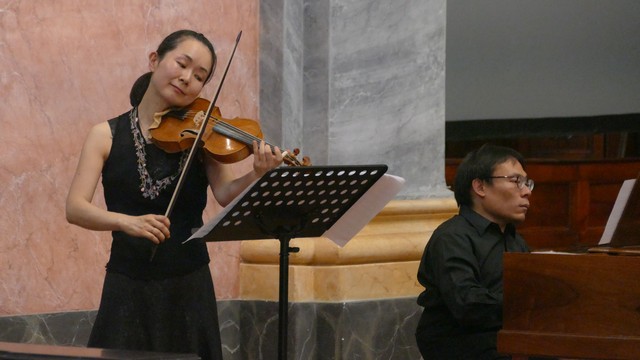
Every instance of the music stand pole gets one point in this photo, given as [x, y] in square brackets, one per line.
[283, 297]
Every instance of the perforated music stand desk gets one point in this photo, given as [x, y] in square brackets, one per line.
[294, 202]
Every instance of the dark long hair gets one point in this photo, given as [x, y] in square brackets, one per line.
[169, 43]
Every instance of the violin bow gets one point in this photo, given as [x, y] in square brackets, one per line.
[197, 141]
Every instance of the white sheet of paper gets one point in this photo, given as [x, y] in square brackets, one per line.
[365, 209]
[616, 212]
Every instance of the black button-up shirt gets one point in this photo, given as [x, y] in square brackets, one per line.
[461, 270]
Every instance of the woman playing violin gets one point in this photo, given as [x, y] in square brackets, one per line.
[167, 304]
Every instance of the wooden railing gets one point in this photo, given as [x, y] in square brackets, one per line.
[571, 201]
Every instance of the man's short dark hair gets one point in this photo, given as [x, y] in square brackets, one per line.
[479, 164]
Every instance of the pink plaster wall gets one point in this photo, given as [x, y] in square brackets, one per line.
[66, 65]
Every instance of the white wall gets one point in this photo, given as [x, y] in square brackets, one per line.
[542, 58]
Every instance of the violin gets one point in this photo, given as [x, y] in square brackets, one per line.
[226, 140]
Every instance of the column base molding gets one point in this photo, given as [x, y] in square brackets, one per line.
[381, 261]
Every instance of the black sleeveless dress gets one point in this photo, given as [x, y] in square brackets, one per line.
[167, 304]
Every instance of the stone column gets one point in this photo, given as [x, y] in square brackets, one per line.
[355, 82]
[358, 82]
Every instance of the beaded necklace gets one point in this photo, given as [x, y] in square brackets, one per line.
[149, 187]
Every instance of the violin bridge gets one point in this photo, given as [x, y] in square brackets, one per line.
[199, 118]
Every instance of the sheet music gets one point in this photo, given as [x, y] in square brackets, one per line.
[618, 207]
[365, 209]
[553, 252]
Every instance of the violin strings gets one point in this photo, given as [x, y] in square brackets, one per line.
[240, 134]
[248, 138]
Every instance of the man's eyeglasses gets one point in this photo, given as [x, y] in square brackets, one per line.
[520, 181]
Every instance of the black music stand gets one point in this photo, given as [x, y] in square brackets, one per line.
[293, 202]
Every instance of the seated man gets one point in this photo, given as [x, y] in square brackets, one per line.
[461, 268]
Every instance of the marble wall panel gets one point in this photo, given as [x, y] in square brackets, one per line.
[282, 51]
[386, 98]
[374, 329]
[63, 328]
[66, 65]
